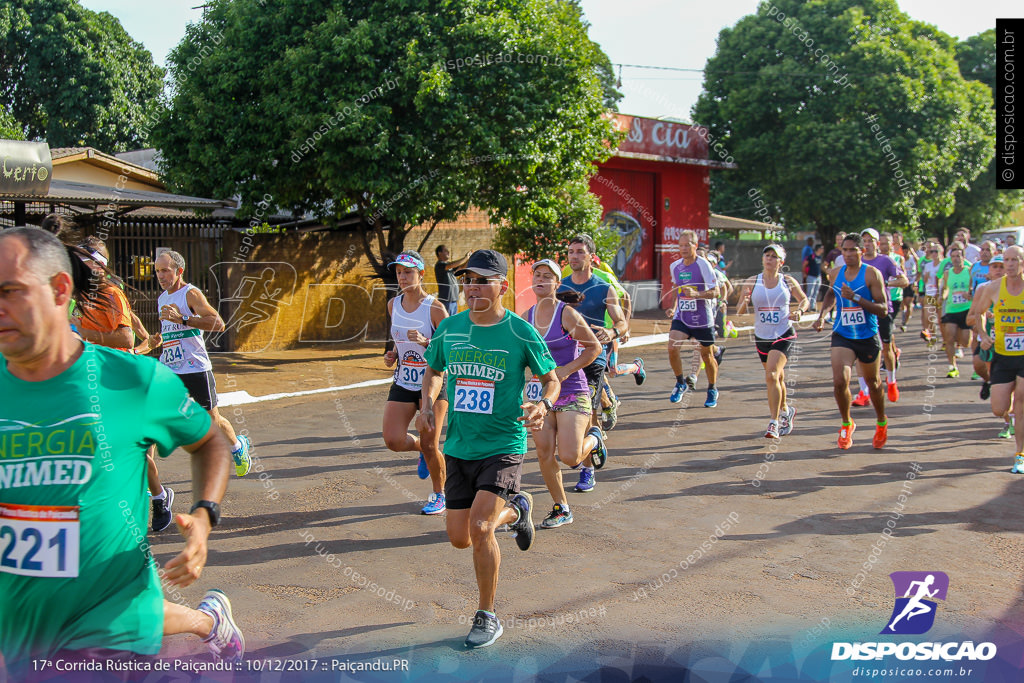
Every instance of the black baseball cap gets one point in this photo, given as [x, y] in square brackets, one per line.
[485, 262]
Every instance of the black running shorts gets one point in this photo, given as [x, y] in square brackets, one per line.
[202, 387]
[499, 474]
[866, 350]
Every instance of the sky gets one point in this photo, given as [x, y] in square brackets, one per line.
[665, 33]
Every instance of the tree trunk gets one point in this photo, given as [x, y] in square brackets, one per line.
[390, 241]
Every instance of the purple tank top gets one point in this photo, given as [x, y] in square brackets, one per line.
[564, 350]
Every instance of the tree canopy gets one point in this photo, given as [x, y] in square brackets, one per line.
[74, 77]
[389, 115]
[979, 206]
[846, 114]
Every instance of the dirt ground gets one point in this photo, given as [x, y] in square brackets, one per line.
[703, 548]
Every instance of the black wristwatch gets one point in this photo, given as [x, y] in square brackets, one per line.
[547, 403]
[212, 509]
[184, 320]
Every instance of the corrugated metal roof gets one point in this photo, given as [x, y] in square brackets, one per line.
[70, 192]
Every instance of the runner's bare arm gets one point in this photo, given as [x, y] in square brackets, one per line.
[121, 338]
[977, 315]
[533, 413]
[205, 316]
[431, 387]
[876, 285]
[619, 325]
[576, 326]
[211, 465]
[748, 287]
[827, 302]
[797, 292]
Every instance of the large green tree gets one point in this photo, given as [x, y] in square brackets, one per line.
[979, 206]
[74, 77]
[382, 115]
[10, 129]
[845, 114]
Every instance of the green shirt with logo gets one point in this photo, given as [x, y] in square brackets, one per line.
[76, 571]
[486, 366]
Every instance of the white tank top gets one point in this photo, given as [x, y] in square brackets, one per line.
[411, 365]
[184, 350]
[771, 308]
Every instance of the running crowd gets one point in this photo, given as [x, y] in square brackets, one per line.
[493, 376]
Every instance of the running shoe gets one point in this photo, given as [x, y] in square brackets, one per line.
[523, 527]
[975, 376]
[225, 640]
[691, 380]
[486, 629]
[600, 452]
[899, 352]
[610, 415]
[881, 435]
[677, 393]
[986, 390]
[586, 482]
[927, 336]
[1018, 464]
[162, 510]
[892, 391]
[241, 457]
[1007, 431]
[959, 352]
[712, 398]
[953, 372]
[846, 436]
[773, 430]
[559, 515]
[421, 469]
[720, 355]
[861, 399]
[435, 504]
[731, 331]
[786, 421]
[903, 327]
[641, 374]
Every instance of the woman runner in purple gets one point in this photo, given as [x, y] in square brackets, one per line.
[573, 346]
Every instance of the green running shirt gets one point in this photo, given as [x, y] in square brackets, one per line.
[75, 566]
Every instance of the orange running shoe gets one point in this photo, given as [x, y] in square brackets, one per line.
[861, 399]
[846, 436]
[881, 434]
[894, 392]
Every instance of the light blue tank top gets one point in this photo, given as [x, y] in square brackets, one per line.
[852, 321]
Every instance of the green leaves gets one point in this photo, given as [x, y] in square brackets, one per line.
[409, 114]
[846, 115]
[75, 77]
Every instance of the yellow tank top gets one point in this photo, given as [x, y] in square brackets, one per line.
[1008, 311]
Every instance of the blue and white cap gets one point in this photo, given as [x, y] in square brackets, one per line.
[409, 259]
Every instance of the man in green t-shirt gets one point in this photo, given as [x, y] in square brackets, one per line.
[77, 577]
[485, 352]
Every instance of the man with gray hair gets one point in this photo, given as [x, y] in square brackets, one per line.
[78, 580]
[184, 315]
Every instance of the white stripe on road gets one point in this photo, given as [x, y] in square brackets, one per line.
[238, 398]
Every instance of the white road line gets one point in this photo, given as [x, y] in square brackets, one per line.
[238, 398]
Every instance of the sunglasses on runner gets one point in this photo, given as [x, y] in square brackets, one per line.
[478, 280]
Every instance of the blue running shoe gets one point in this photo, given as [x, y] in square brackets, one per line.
[435, 504]
[641, 374]
[422, 470]
[712, 398]
[677, 393]
[523, 527]
[559, 515]
[586, 482]
[600, 452]
[243, 461]
[225, 640]
[1018, 464]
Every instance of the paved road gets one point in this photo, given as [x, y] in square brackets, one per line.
[699, 541]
